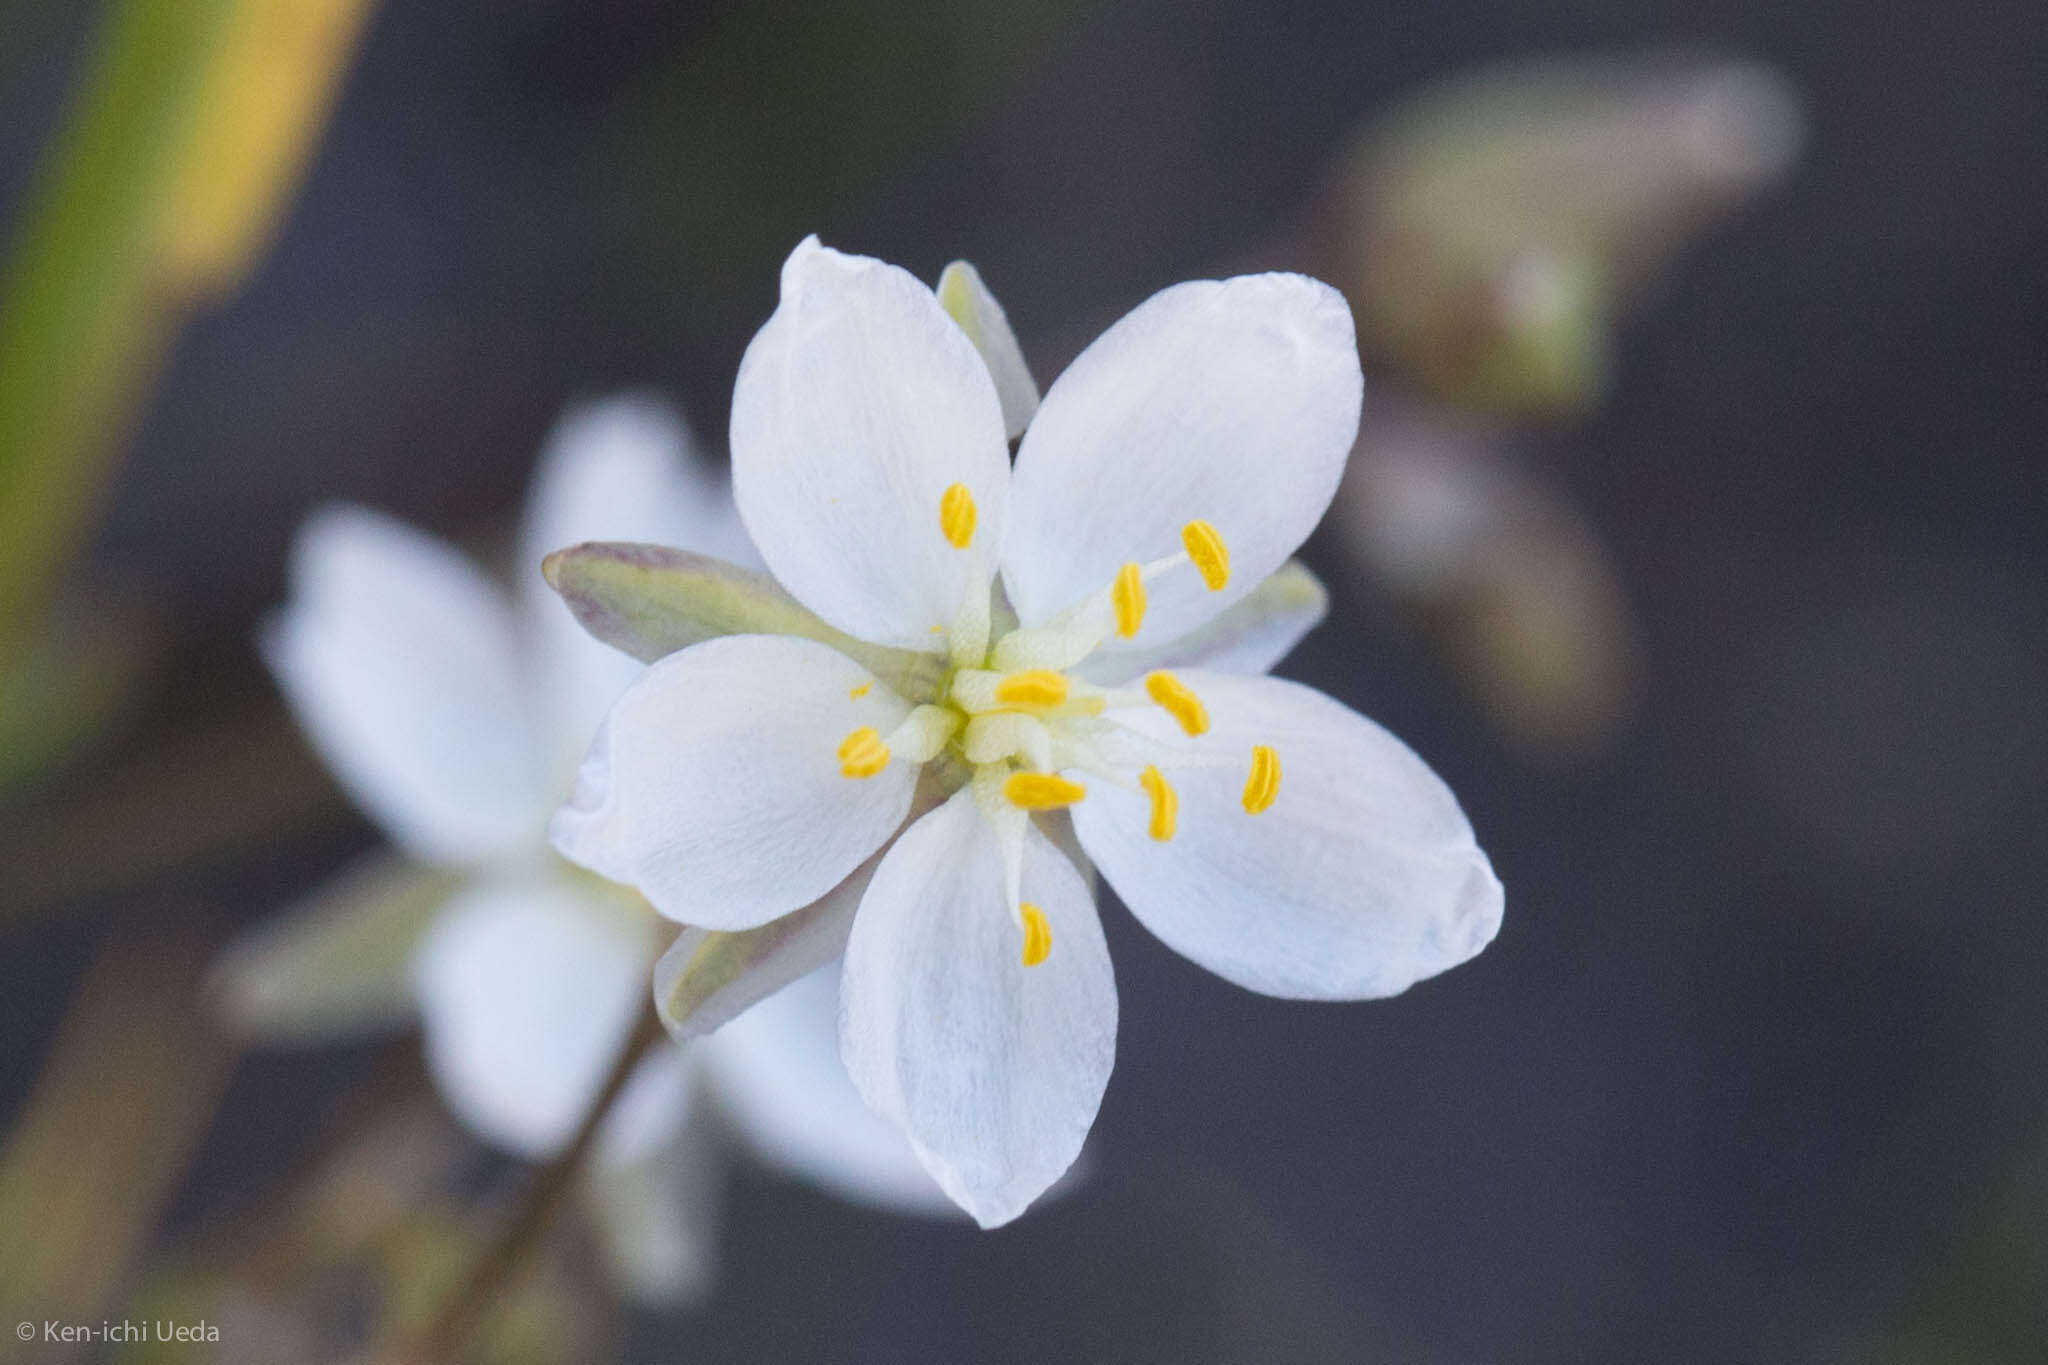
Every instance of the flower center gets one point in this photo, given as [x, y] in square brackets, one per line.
[1018, 721]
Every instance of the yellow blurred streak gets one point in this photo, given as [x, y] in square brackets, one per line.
[191, 129]
[265, 90]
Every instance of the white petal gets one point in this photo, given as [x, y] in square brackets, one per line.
[627, 468]
[994, 1069]
[527, 991]
[968, 302]
[1251, 637]
[656, 1104]
[715, 785]
[1361, 879]
[620, 469]
[778, 1076]
[857, 406]
[709, 977]
[655, 1192]
[401, 661]
[1232, 402]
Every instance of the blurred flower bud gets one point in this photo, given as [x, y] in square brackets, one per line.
[1505, 578]
[1491, 232]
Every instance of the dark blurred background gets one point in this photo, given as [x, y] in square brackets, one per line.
[1755, 1071]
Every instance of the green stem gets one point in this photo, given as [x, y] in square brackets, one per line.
[466, 1310]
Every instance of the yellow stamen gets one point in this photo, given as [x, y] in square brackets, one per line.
[1210, 554]
[1032, 687]
[860, 691]
[1127, 594]
[956, 516]
[1264, 783]
[1180, 702]
[1041, 791]
[1165, 802]
[862, 753]
[1037, 936]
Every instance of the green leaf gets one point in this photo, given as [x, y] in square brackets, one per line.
[651, 601]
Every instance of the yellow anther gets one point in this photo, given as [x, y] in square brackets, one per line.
[1264, 783]
[956, 516]
[1041, 791]
[1032, 687]
[1037, 935]
[862, 753]
[1179, 701]
[860, 691]
[1165, 802]
[1210, 554]
[1127, 594]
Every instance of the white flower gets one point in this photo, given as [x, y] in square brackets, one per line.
[1258, 827]
[455, 717]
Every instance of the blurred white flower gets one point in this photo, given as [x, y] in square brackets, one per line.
[1172, 469]
[454, 715]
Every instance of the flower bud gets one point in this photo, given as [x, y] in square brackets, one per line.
[1491, 232]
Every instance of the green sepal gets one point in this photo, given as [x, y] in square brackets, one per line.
[650, 601]
[708, 977]
[340, 962]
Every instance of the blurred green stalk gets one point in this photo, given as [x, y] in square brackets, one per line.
[192, 124]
